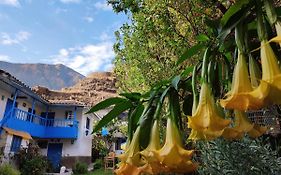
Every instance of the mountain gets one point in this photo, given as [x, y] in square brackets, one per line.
[52, 76]
[89, 91]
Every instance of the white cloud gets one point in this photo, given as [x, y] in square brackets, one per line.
[7, 39]
[105, 37]
[70, 1]
[102, 5]
[4, 58]
[89, 19]
[14, 3]
[61, 10]
[87, 59]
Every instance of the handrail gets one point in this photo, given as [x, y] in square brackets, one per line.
[33, 118]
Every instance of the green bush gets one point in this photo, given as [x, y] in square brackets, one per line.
[7, 169]
[30, 161]
[98, 164]
[80, 168]
[245, 156]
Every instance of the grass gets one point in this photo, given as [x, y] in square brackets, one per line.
[101, 172]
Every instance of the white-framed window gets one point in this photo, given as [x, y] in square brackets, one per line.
[69, 115]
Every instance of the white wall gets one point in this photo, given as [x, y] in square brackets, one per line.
[3, 102]
[82, 146]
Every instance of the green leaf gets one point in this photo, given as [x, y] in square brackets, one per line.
[145, 126]
[106, 103]
[135, 96]
[115, 112]
[163, 95]
[187, 71]
[175, 81]
[187, 105]
[137, 114]
[174, 106]
[202, 38]
[134, 119]
[234, 9]
[190, 52]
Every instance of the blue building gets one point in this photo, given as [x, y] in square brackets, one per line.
[60, 128]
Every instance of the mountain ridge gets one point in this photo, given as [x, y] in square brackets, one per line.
[52, 76]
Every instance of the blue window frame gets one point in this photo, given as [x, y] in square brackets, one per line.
[16, 142]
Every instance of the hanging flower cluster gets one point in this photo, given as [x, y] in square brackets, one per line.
[170, 158]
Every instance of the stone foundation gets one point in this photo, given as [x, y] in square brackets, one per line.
[69, 162]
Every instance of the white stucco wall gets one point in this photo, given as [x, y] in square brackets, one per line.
[82, 146]
[3, 103]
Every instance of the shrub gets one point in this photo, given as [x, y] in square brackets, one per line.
[245, 156]
[80, 168]
[30, 161]
[98, 164]
[7, 169]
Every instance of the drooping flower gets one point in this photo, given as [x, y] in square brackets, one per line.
[242, 96]
[207, 118]
[172, 154]
[152, 164]
[257, 131]
[131, 159]
[242, 125]
[271, 74]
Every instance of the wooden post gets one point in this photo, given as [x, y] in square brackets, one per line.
[32, 109]
[14, 102]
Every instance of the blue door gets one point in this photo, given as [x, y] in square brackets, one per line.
[54, 155]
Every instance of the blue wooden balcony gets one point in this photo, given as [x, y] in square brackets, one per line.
[40, 127]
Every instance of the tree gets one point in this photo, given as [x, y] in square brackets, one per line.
[148, 48]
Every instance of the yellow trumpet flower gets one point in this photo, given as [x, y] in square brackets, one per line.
[257, 131]
[172, 154]
[200, 135]
[271, 74]
[128, 169]
[131, 159]
[207, 117]
[242, 125]
[241, 96]
[153, 165]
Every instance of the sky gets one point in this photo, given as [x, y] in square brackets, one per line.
[76, 33]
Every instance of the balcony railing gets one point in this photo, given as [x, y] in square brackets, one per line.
[29, 117]
[41, 127]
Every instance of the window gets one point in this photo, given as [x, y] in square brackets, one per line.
[16, 142]
[68, 115]
[42, 144]
[88, 123]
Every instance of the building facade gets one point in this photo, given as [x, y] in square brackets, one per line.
[61, 129]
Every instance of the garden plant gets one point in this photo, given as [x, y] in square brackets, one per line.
[231, 70]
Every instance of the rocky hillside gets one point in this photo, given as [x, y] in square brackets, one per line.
[52, 76]
[90, 90]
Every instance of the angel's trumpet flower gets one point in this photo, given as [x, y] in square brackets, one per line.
[242, 96]
[255, 72]
[131, 159]
[207, 117]
[257, 131]
[200, 135]
[242, 125]
[271, 74]
[172, 154]
[153, 165]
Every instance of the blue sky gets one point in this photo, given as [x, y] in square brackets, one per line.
[76, 33]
